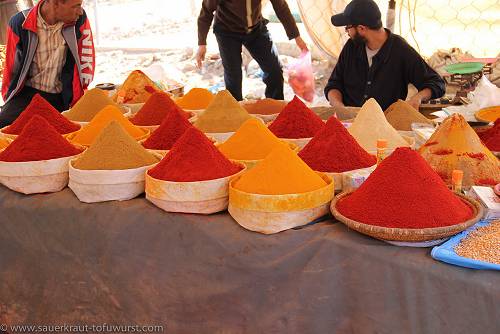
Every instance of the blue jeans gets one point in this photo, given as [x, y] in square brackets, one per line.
[260, 45]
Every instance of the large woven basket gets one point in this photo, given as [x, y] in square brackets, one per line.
[405, 234]
[2, 60]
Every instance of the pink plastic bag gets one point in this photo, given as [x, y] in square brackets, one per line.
[301, 78]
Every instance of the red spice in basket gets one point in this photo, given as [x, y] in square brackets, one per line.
[39, 106]
[193, 158]
[156, 108]
[170, 130]
[295, 121]
[38, 141]
[491, 137]
[334, 150]
[404, 192]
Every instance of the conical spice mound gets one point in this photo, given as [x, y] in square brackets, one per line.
[195, 99]
[401, 115]
[194, 158]
[89, 132]
[370, 125]
[137, 88]
[404, 192]
[114, 149]
[296, 121]
[252, 141]
[455, 145]
[38, 141]
[334, 150]
[170, 130]
[93, 101]
[281, 172]
[224, 114]
[41, 107]
[158, 106]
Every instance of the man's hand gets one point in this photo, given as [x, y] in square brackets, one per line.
[200, 55]
[301, 44]
[415, 101]
[335, 98]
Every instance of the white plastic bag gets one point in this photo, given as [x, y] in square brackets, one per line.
[301, 78]
[485, 95]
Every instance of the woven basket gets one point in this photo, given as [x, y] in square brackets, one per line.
[405, 234]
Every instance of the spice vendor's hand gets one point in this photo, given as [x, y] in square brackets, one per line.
[301, 44]
[200, 55]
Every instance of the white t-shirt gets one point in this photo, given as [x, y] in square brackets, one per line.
[370, 54]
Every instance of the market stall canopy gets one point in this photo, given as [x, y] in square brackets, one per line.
[428, 25]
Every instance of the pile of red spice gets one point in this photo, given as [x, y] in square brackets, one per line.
[156, 108]
[295, 121]
[193, 158]
[170, 130]
[404, 192]
[491, 137]
[39, 106]
[334, 150]
[38, 141]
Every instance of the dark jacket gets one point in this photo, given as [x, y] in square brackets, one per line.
[241, 16]
[22, 42]
[395, 66]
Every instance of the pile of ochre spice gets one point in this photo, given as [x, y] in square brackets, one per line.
[93, 101]
[39, 106]
[252, 141]
[89, 133]
[193, 158]
[296, 121]
[223, 115]
[491, 137]
[334, 150]
[281, 172]
[404, 192]
[170, 130]
[455, 145]
[401, 115]
[38, 141]
[195, 99]
[265, 106]
[115, 149]
[156, 108]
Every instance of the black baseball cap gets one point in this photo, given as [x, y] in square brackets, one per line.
[359, 12]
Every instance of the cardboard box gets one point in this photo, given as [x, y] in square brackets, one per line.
[490, 201]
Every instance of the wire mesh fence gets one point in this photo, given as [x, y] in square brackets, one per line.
[428, 25]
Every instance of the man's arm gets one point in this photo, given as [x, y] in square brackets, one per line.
[335, 98]
[205, 19]
[86, 51]
[335, 86]
[12, 44]
[286, 18]
[428, 83]
[416, 100]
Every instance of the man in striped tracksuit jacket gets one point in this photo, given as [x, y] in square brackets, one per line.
[50, 51]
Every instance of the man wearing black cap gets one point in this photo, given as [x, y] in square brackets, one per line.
[377, 63]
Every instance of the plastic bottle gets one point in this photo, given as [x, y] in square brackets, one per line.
[457, 177]
[381, 150]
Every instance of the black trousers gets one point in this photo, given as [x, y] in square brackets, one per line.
[261, 47]
[15, 106]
